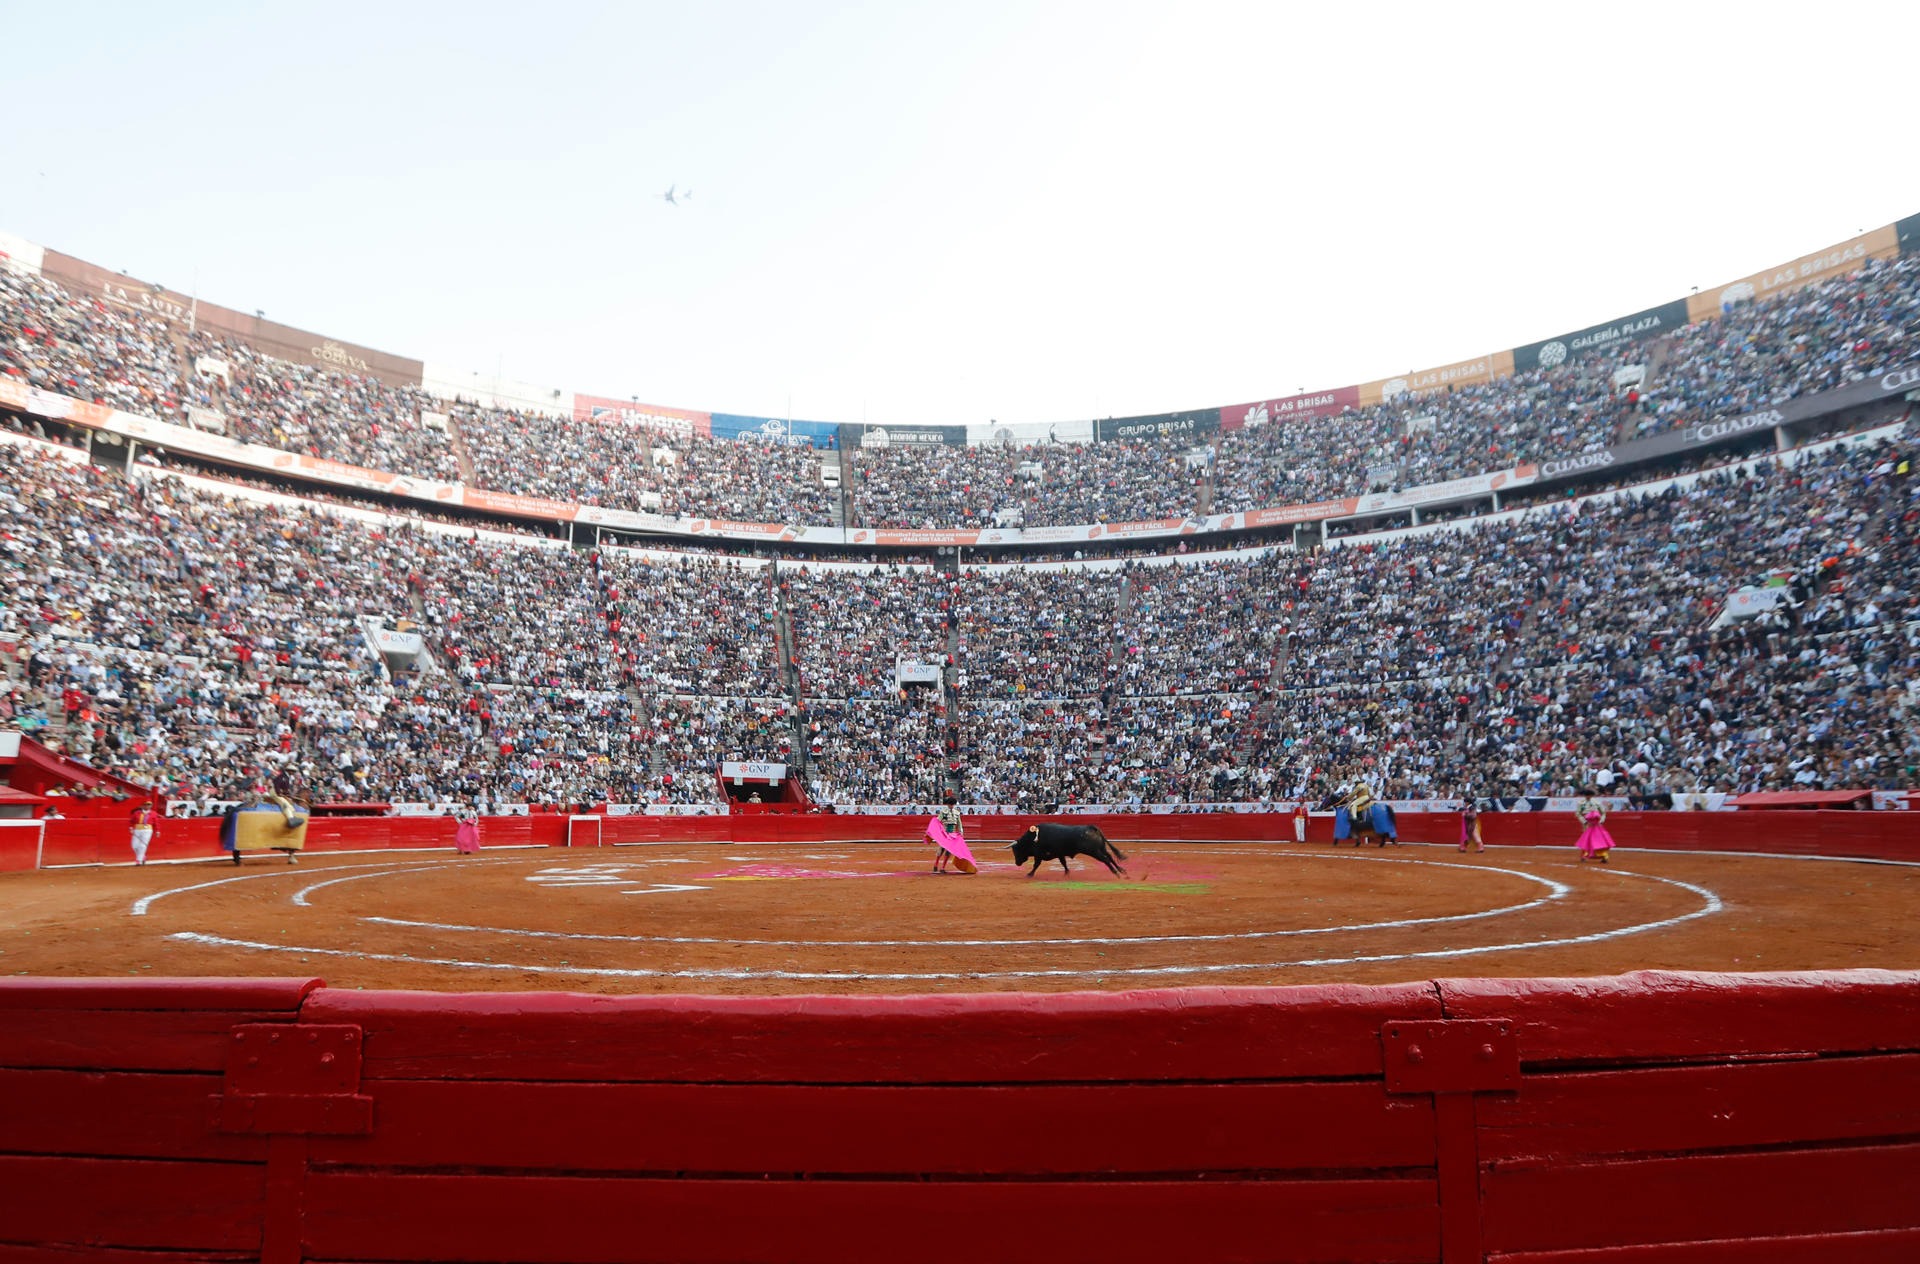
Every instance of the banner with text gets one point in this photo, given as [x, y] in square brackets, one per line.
[1881, 243]
[859, 435]
[1291, 408]
[1196, 425]
[1017, 434]
[1552, 352]
[143, 298]
[1461, 373]
[1886, 385]
[680, 421]
[805, 434]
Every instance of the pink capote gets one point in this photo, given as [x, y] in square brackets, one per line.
[466, 837]
[952, 842]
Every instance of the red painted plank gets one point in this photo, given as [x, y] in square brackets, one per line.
[156, 994]
[123, 1040]
[116, 1115]
[1458, 1174]
[282, 1233]
[15, 1254]
[357, 1216]
[1189, 1034]
[1656, 1015]
[1029, 1130]
[1671, 1109]
[1894, 1246]
[1540, 1205]
[130, 1203]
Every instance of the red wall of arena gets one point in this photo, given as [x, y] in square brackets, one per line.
[1650, 1117]
[1872, 835]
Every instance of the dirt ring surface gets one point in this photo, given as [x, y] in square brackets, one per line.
[768, 919]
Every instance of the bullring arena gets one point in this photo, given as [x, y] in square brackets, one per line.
[467, 820]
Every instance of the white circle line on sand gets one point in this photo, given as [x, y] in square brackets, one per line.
[1555, 891]
[1710, 904]
[140, 906]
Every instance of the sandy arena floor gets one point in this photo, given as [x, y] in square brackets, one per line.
[866, 918]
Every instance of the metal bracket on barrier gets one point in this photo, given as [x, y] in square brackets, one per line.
[1462, 1056]
[294, 1078]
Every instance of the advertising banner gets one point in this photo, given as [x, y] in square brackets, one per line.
[400, 644]
[1881, 243]
[1020, 434]
[1279, 515]
[1890, 384]
[732, 769]
[1196, 424]
[1452, 489]
[1153, 526]
[1292, 408]
[206, 418]
[1906, 234]
[1462, 373]
[518, 506]
[682, 421]
[814, 434]
[739, 530]
[1747, 603]
[1552, 352]
[1058, 535]
[625, 519]
[865, 436]
[928, 539]
[143, 298]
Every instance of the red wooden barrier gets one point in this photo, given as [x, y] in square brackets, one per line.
[1872, 835]
[1654, 1116]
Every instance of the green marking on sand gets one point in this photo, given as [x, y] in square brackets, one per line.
[1168, 888]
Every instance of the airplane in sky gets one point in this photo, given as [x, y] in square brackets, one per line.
[671, 200]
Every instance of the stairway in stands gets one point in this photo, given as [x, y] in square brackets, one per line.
[950, 699]
[1265, 704]
[460, 451]
[1528, 622]
[1656, 365]
[783, 645]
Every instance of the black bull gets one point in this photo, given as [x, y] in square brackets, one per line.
[1046, 841]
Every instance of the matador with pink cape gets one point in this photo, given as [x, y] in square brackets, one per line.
[944, 832]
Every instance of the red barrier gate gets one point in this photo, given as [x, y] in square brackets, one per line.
[1651, 1117]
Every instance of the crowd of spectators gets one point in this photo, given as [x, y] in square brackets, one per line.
[1128, 752]
[852, 629]
[878, 749]
[912, 487]
[690, 625]
[1752, 354]
[192, 640]
[619, 465]
[353, 418]
[1571, 649]
[81, 347]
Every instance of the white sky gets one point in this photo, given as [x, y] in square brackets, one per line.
[921, 212]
